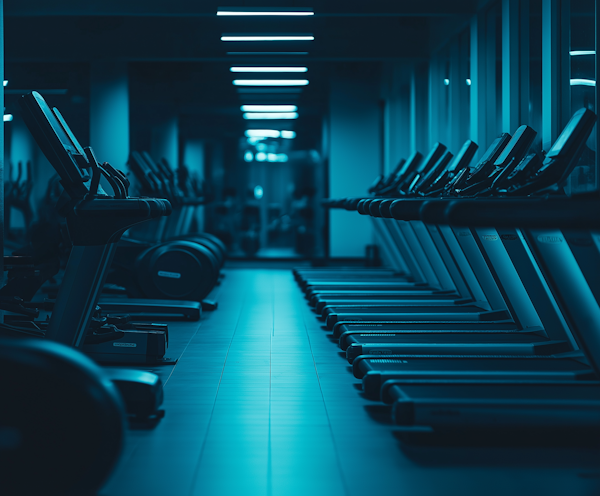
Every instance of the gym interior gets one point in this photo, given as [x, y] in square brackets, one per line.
[340, 248]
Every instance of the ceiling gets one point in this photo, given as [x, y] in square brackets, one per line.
[179, 64]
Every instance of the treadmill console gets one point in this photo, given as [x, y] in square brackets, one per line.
[420, 170]
[58, 143]
[407, 168]
[459, 163]
[487, 161]
[561, 159]
[481, 181]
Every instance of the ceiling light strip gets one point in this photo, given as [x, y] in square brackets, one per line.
[270, 115]
[268, 38]
[270, 82]
[268, 108]
[268, 69]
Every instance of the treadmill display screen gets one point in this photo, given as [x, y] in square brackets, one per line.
[569, 135]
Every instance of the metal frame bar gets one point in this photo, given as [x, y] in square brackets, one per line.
[597, 102]
[478, 131]
[556, 69]
[511, 38]
[2, 277]
[490, 77]
[434, 100]
[455, 107]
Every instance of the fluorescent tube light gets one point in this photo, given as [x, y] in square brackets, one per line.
[575, 53]
[270, 82]
[277, 157]
[255, 11]
[269, 38]
[268, 69]
[268, 108]
[5, 82]
[8, 117]
[262, 133]
[288, 134]
[248, 156]
[267, 53]
[583, 82]
[261, 157]
[270, 115]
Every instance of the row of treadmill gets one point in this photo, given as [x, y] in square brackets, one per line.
[486, 316]
[68, 360]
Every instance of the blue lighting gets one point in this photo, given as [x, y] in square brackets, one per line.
[575, 53]
[268, 69]
[277, 157]
[270, 115]
[268, 38]
[270, 82]
[250, 11]
[269, 108]
[262, 133]
[258, 192]
[248, 156]
[468, 82]
[447, 82]
[583, 82]
[8, 117]
[267, 53]
[261, 157]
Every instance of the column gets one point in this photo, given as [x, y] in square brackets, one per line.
[109, 112]
[354, 157]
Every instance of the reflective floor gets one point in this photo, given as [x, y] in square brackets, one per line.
[262, 403]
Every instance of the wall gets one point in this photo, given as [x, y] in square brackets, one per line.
[109, 112]
[355, 155]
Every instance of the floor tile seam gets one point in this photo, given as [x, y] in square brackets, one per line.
[202, 450]
[269, 440]
[192, 337]
[338, 459]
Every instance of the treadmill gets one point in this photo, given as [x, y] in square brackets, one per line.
[374, 370]
[337, 280]
[436, 276]
[530, 293]
[444, 407]
[96, 221]
[413, 242]
[514, 151]
[504, 270]
[438, 267]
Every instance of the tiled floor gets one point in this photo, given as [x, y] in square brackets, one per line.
[261, 403]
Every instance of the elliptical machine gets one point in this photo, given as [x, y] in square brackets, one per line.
[72, 447]
[185, 267]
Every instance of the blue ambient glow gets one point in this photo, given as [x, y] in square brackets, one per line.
[269, 108]
[583, 82]
[270, 82]
[268, 38]
[270, 115]
[268, 69]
